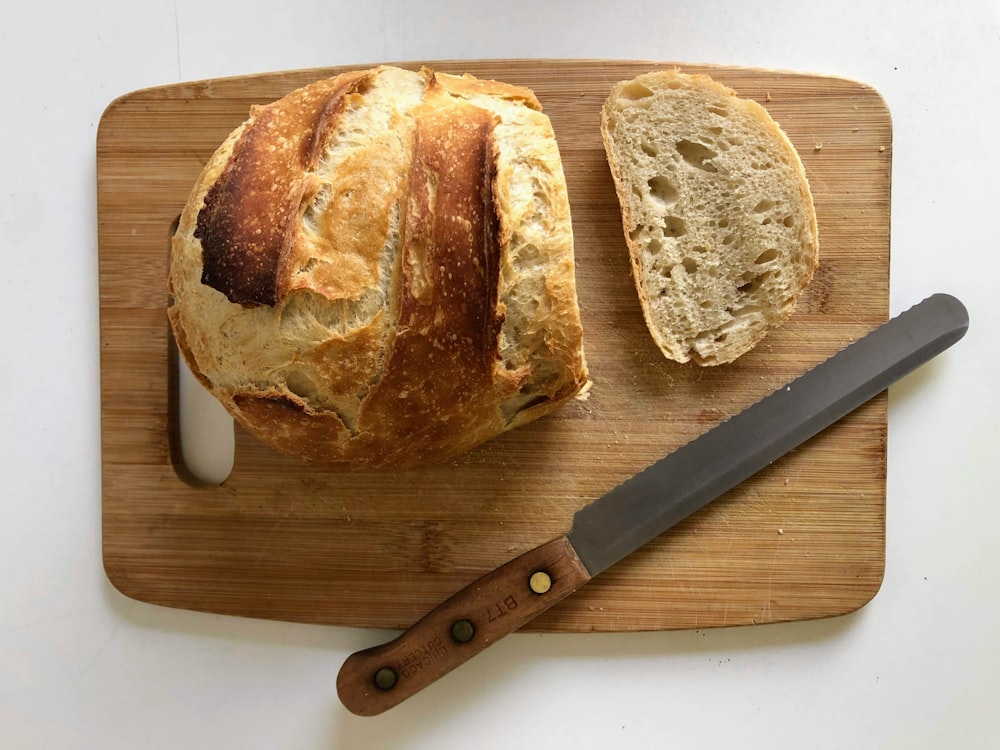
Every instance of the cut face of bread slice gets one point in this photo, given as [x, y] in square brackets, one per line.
[718, 216]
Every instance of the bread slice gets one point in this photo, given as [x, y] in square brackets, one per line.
[717, 213]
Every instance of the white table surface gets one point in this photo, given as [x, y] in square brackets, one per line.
[81, 666]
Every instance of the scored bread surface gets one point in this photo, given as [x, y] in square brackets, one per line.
[376, 271]
[717, 213]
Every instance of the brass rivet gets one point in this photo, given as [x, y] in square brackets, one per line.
[385, 678]
[540, 582]
[462, 631]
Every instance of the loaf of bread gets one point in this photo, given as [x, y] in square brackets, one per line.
[376, 271]
[717, 213]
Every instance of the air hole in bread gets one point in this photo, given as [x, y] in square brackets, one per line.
[690, 265]
[720, 111]
[700, 249]
[753, 283]
[527, 258]
[653, 247]
[746, 311]
[674, 226]
[723, 222]
[674, 84]
[788, 221]
[729, 239]
[714, 336]
[635, 91]
[697, 155]
[715, 131]
[662, 191]
[649, 148]
[764, 205]
[637, 232]
[766, 257]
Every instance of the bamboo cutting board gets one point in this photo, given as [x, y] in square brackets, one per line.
[278, 539]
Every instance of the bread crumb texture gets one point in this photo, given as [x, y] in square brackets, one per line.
[377, 270]
[717, 212]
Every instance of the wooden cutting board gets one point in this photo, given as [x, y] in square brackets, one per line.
[278, 539]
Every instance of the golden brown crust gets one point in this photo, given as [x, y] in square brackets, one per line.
[248, 213]
[468, 87]
[373, 309]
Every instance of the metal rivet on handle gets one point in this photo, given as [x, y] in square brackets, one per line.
[385, 678]
[463, 630]
[540, 582]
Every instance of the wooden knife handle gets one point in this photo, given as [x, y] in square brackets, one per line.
[375, 680]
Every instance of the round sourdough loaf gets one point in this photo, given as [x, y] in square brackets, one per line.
[376, 271]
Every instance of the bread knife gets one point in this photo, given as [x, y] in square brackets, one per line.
[646, 505]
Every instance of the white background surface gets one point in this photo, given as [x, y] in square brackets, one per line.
[83, 667]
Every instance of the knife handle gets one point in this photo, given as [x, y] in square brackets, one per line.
[376, 679]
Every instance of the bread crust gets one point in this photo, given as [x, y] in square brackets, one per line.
[348, 275]
[675, 143]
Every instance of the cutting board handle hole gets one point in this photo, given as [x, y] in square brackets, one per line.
[202, 435]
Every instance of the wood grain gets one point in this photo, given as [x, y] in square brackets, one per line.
[803, 539]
